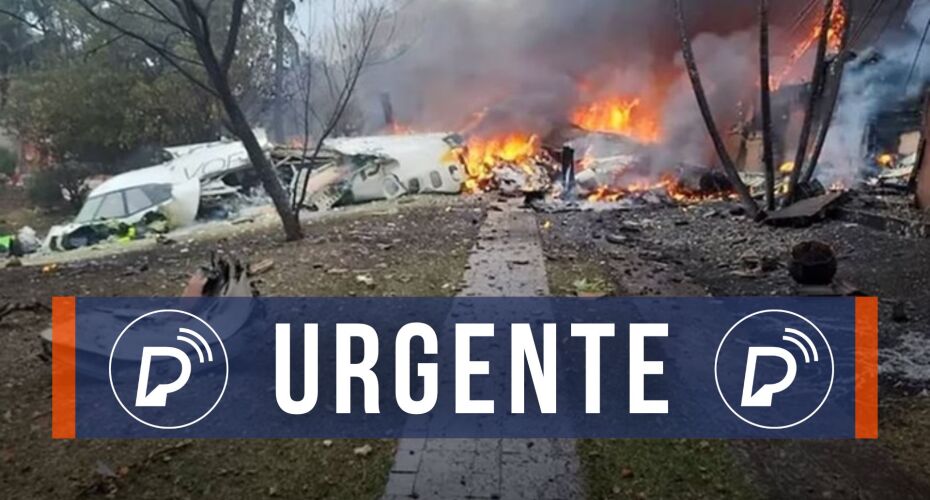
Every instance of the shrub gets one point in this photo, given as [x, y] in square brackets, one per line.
[43, 189]
[47, 187]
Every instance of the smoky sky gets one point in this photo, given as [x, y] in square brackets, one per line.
[528, 56]
[528, 63]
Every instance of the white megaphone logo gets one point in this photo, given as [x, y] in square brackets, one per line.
[762, 398]
[158, 397]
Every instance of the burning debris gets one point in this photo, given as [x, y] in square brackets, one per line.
[626, 117]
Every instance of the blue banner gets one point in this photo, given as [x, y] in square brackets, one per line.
[465, 367]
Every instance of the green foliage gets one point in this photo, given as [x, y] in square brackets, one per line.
[87, 93]
[7, 163]
[48, 187]
[96, 111]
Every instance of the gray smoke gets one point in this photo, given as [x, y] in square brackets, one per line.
[523, 62]
[874, 82]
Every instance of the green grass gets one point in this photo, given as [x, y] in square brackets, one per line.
[635, 468]
[661, 469]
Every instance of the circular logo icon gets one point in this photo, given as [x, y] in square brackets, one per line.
[774, 369]
[168, 369]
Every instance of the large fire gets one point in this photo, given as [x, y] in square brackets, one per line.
[618, 116]
[834, 41]
[482, 155]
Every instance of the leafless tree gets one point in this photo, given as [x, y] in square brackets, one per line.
[335, 57]
[728, 166]
[212, 30]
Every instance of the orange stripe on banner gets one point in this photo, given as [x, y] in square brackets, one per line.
[866, 368]
[63, 368]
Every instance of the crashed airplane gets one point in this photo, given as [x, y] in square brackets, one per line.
[346, 170]
[364, 169]
[167, 195]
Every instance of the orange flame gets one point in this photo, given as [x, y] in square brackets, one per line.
[482, 155]
[886, 160]
[834, 42]
[618, 116]
[401, 129]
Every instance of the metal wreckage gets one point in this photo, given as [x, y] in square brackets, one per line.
[214, 180]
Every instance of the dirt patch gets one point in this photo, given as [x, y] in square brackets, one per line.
[704, 250]
[416, 249]
[17, 211]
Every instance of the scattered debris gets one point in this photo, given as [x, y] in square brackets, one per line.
[221, 278]
[908, 360]
[261, 268]
[912, 227]
[528, 179]
[363, 451]
[365, 280]
[805, 212]
[10, 308]
[27, 241]
[813, 263]
[592, 289]
[616, 239]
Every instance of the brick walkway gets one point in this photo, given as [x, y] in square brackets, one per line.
[507, 262]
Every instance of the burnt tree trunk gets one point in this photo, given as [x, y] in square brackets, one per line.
[768, 157]
[729, 168]
[837, 69]
[277, 114]
[816, 93]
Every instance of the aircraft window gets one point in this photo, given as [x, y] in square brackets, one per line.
[137, 200]
[112, 207]
[158, 193]
[89, 209]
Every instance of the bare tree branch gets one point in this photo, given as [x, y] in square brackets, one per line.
[169, 56]
[22, 20]
[229, 51]
[355, 51]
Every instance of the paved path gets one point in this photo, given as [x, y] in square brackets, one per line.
[507, 261]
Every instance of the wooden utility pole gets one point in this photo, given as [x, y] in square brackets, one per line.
[836, 70]
[768, 157]
[816, 93]
[729, 168]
